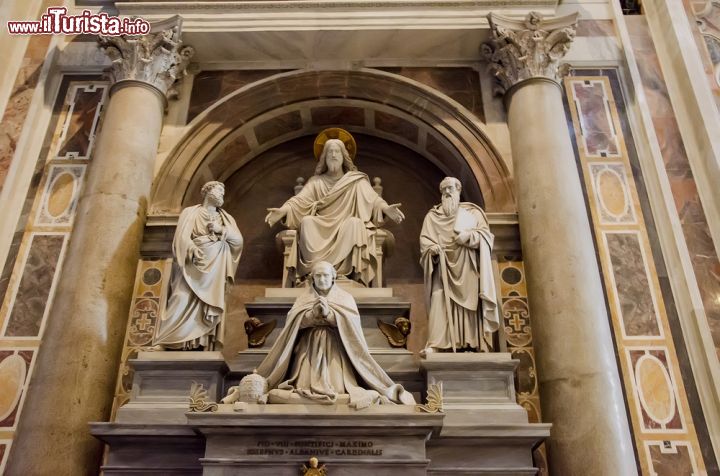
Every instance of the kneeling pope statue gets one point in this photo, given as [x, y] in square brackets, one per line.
[321, 355]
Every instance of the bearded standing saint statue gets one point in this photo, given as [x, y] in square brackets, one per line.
[206, 248]
[336, 214]
[455, 246]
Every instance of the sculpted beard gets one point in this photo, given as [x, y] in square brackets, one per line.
[450, 203]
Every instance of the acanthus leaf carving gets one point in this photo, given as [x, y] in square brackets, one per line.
[158, 58]
[529, 48]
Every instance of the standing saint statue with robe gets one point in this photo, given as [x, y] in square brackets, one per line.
[455, 246]
[321, 355]
[336, 214]
[206, 247]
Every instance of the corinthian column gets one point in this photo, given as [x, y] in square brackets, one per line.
[74, 377]
[580, 388]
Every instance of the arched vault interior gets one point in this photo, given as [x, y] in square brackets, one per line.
[423, 123]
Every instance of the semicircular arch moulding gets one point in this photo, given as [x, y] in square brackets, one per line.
[289, 105]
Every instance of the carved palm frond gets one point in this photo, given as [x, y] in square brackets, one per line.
[199, 399]
[434, 399]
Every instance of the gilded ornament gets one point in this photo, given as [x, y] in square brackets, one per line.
[335, 133]
[315, 469]
[198, 399]
[396, 333]
[434, 399]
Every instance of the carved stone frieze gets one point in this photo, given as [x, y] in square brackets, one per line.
[529, 48]
[157, 59]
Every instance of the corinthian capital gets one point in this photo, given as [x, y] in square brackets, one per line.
[157, 59]
[530, 48]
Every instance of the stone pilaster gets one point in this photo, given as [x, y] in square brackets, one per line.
[74, 377]
[580, 388]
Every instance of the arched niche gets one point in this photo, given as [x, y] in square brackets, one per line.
[263, 115]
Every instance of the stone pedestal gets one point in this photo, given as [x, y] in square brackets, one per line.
[275, 440]
[485, 431]
[477, 388]
[162, 381]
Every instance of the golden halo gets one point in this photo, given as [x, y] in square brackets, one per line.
[335, 133]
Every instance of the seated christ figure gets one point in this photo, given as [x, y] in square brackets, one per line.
[336, 214]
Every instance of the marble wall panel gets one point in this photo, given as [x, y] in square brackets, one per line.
[15, 369]
[149, 299]
[654, 383]
[658, 402]
[60, 195]
[334, 115]
[612, 193]
[210, 86]
[706, 264]
[671, 458]
[237, 148]
[630, 276]
[29, 307]
[85, 104]
[278, 126]
[18, 104]
[461, 84]
[396, 126]
[598, 136]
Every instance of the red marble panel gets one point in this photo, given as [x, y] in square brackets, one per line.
[278, 126]
[637, 306]
[437, 148]
[461, 84]
[337, 115]
[81, 123]
[671, 459]
[210, 86]
[597, 130]
[233, 151]
[396, 126]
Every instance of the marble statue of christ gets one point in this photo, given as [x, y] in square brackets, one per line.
[336, 214]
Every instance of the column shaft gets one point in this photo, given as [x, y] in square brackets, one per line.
[74, 376]
[580, 388]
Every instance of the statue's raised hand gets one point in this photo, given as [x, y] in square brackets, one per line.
[393, 212]
[275, 215]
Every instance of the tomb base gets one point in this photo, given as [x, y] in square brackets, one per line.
[481, 430]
